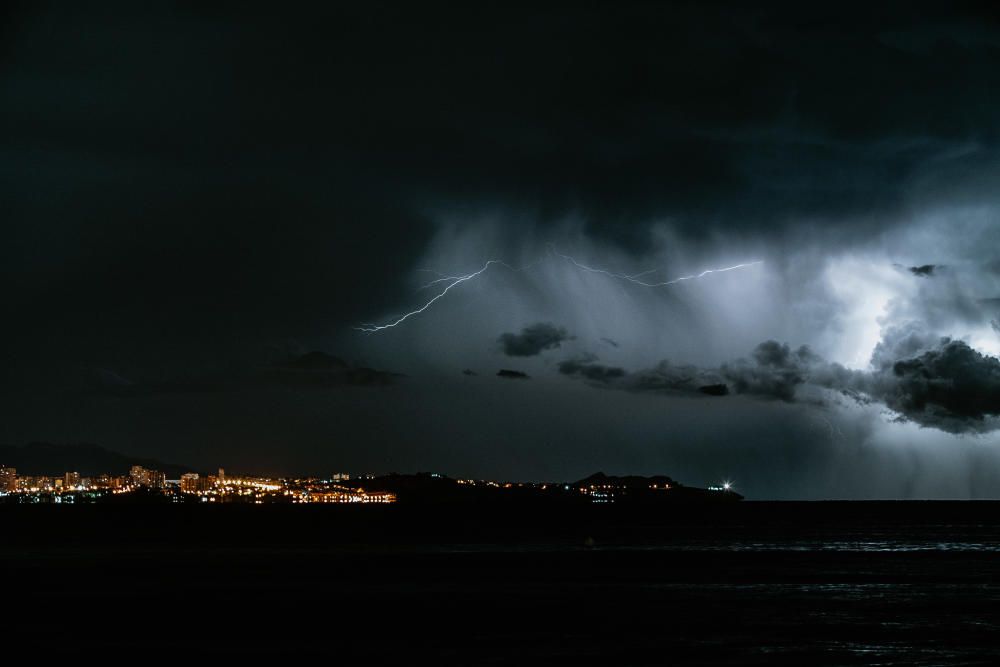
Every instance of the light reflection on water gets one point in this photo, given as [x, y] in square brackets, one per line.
[687, 545]
[841, 546]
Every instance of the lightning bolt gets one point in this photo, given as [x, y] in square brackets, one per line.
[441, 278]
[634, 278]
[450, 282]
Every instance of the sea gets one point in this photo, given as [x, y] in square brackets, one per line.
[812, 583]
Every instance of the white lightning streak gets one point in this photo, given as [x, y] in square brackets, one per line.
[634, 277]
[441, 278]
[453, 281]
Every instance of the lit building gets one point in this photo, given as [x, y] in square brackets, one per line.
[71, 479]
[8, 479]
[105, 481]
[154, 479]
[340, 494]
[189, 482]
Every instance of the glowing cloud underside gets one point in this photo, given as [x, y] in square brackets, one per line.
[453, 281]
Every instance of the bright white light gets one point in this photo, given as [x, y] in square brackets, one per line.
[985, 340]
[451, 281]
[864, 288]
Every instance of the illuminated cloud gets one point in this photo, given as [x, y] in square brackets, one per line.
[939, 383]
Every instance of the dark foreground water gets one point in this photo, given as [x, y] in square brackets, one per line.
[757, 583]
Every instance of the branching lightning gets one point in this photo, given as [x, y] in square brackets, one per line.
[441, 278]
[634, 278]
[451, 281]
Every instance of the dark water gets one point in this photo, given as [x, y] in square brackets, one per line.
[762, 583]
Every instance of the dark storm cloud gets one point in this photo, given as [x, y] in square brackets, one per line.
[933, 381]
[280, 164]
[669, 378]
[921, 271]
[587, 367]
[533, 340]
[950, 387]
[936, 381]
[775, 370]
[186, 183]
[509, 374]
[714, 114]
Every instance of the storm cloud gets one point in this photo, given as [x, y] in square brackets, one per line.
[533, 340]
[774, 371]
[935, 382]
[942, 383]
[188, 186]
[587, 367]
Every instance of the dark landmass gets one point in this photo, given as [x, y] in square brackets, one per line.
[44, 458]
[434, 488]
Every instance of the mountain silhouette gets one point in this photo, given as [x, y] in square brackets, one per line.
[44, 458]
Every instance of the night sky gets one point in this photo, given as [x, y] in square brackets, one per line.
[194, 199]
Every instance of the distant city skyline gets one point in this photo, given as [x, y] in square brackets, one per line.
[71, 487]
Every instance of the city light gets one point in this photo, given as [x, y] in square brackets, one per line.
[340, 488]
[72, 487]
